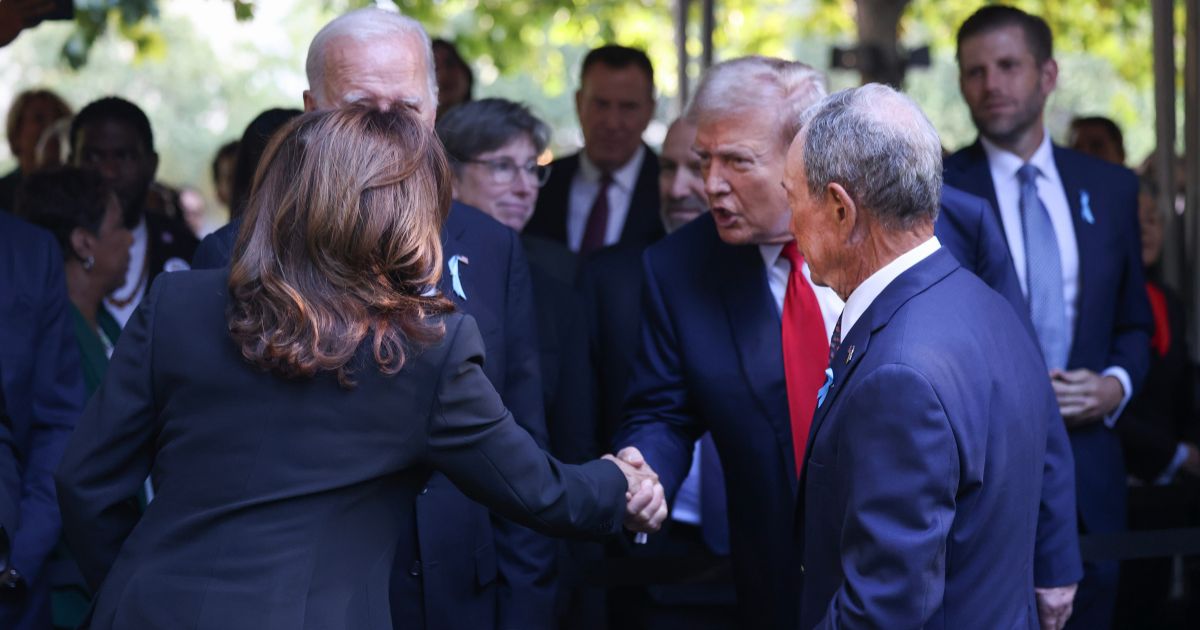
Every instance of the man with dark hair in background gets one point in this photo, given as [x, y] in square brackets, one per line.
[113, 137]
[1070, 222]
[1098, 136]
[607, 192]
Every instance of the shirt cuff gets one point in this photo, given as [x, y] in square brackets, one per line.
[1168, 473]
[1121, 375]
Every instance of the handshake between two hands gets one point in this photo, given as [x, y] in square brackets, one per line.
[645, 500]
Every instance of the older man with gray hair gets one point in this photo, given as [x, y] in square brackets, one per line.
[712, 350]
[919, 502]
[476, 570]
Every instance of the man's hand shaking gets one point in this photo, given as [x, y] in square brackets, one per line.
[646, 502]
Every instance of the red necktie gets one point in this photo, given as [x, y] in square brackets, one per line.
[805, 351]
[597, 221]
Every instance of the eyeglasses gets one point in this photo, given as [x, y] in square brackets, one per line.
[504, 170]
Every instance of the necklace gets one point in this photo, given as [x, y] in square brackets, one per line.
[137, 288]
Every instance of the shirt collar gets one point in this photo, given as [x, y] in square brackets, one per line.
[770, 253]
[862, 297]
[624, 177]
[1005, 163]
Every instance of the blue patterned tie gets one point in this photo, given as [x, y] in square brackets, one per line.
[1043, 273]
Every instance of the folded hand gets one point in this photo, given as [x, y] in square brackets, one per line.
[1055, 605]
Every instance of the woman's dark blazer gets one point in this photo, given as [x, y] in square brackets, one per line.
[283, 503]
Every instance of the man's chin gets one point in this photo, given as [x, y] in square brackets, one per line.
[735, 233]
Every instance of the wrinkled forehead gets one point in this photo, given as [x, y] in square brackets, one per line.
[383, 69]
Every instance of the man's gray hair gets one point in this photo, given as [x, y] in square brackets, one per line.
[754, 84]
[881, 148]
[366, 25]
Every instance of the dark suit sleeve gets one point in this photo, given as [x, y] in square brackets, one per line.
[903, 478]
[572, 411]
[525, 560]
[475, 442]
[659, 418]
[1134, 322]
[58, 395]
[10, 482]
[1056, 553]
[215, 250]
[111, 452]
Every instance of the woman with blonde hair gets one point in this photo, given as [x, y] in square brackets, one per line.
[289, 412]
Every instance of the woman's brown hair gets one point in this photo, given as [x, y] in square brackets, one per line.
[341, 241]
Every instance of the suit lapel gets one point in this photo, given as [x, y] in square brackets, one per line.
[641, 223]
[855, 345]
[755, 325]
[1087, 239]
[977, 177]
[452, 245]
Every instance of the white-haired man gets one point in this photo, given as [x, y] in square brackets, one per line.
[711, 354]
[920, 496]
[476, 570]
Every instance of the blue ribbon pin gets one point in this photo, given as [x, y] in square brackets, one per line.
[1086, 207]
[825, 388]
[455, 280]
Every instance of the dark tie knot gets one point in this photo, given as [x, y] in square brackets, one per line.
[606, 179]
[1028, 173]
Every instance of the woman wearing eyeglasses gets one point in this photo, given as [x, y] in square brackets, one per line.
[493, 145]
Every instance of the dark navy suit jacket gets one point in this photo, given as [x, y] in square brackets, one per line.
[475, 571]
[42, 382]
[1114, 322]
[919, 506]
[642, 224]
[710, 358]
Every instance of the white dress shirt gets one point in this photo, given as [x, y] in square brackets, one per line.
[1004, 165]
[584, 187]
[778, 270]
[861, 298]
[133, 287]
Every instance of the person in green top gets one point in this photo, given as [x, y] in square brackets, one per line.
[84, 215]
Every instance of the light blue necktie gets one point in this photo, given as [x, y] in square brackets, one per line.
[1043, 273]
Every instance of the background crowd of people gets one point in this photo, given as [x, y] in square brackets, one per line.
[652, 304]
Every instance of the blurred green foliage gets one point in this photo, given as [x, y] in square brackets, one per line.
[203, 68]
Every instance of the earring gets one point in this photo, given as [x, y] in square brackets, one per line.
[89, 263]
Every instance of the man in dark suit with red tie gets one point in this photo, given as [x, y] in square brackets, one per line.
[718, 295]
[608, 192]
[1070, 222]
[711, 352]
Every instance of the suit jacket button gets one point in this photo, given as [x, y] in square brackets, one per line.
[415, 570]
[425, 490]
[802, 568]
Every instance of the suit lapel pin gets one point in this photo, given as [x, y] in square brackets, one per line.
[849, 355]
[1085, 207]
[455, 279]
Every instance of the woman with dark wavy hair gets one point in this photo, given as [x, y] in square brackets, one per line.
[289, 412]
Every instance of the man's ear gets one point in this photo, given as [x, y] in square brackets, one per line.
[1049, 76]
[310, 103]
[846, 211]
[578, 102]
